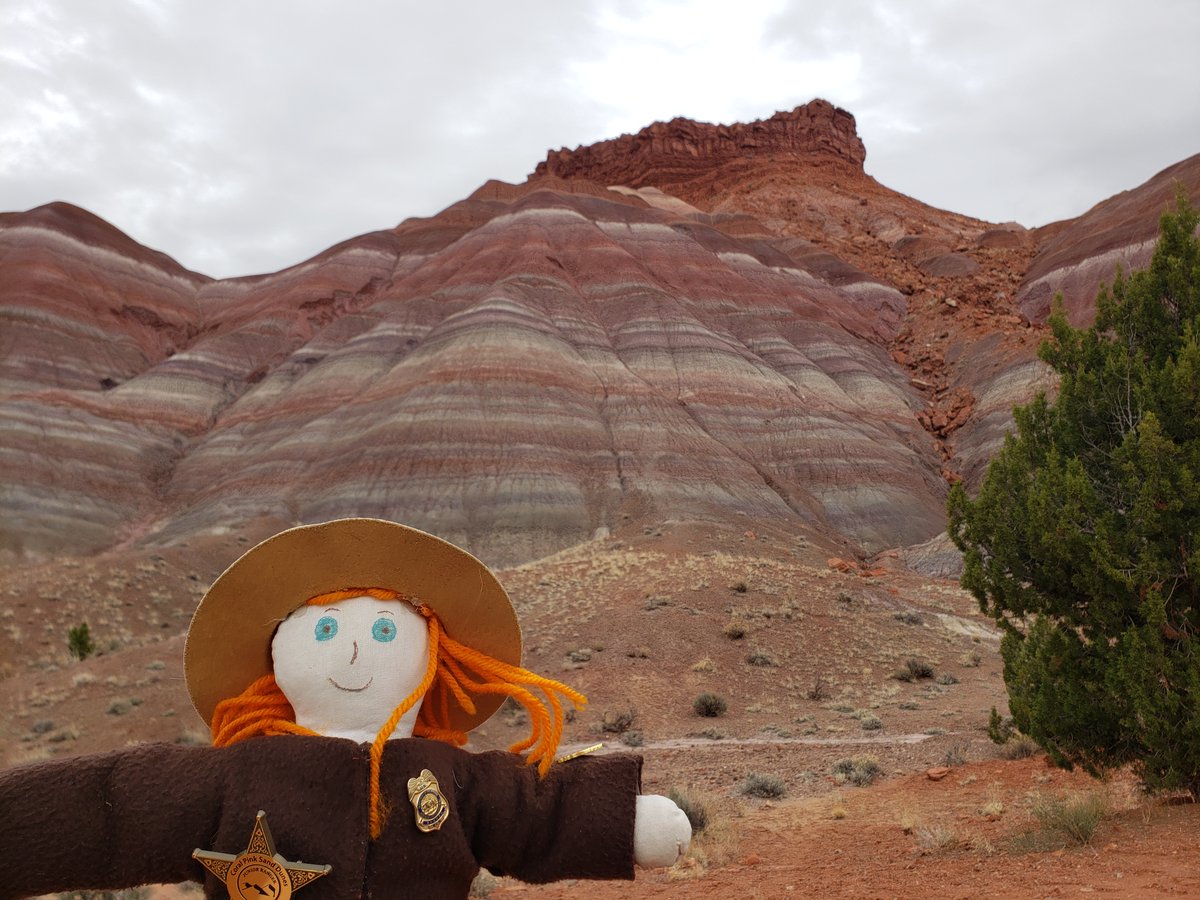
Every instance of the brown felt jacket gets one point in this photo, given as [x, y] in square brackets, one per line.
[135, 816]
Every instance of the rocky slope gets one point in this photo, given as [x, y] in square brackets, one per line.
[1078, 256]
[691, 323]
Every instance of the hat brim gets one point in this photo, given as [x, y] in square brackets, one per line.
[229, 640]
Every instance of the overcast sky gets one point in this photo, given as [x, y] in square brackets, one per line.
[242, 136]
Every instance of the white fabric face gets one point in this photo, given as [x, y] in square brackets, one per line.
[347, 666]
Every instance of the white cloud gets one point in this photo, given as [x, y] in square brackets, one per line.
[244, 137]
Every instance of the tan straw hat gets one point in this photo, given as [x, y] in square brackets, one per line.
[229, 640]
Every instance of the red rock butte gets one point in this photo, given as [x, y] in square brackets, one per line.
[669, 153]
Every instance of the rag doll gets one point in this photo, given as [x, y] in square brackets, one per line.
[341, 667]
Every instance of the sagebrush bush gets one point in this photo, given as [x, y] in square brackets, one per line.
[919, 668]
[819, 689]
[956, 755]
[694, 806]
[760, 658]
[618, 722]
[709, 705]
[768, 787]
[860, 770]
[914, 669]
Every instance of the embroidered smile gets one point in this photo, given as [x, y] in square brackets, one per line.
[352, 690]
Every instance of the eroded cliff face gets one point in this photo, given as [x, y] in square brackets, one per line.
[692, 323]
[667, 154]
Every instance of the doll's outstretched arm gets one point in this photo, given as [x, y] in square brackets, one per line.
[661, 831]
[110, 821]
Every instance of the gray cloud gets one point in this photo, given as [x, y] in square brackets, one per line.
[243, 137]
[1025, 110]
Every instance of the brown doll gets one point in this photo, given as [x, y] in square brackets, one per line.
[341, 667]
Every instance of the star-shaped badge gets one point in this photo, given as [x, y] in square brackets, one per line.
[258, 872]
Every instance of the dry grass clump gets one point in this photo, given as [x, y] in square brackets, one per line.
[993, 807]
[734, 630]
[1077, 815]
[859, 770]
[714, 833]
[1019, 747]
[838, 809]
[939, 837]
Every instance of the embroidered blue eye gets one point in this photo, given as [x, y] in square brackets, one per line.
[383, 630]
[326, 628]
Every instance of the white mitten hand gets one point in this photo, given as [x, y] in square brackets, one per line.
[661, 831]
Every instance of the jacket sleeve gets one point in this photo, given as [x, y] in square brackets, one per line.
[577, 822]
[110, 821]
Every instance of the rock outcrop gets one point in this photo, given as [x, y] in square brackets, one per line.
[667, 154]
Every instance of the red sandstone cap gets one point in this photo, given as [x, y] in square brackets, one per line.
[229, 640]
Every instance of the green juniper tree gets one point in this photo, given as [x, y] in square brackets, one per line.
[1084, 539]
[79, 641]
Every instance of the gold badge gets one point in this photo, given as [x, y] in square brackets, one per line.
[567, 757]
[259, 872]
[428, 802]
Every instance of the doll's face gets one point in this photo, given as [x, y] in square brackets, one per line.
[345, 667]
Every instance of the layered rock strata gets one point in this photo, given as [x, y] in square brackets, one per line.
[514, 374]
[695, 322]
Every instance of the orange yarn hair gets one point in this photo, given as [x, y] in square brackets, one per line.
[455, 672]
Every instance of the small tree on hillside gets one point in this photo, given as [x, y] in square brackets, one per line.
[79, 641]
[1084, 539]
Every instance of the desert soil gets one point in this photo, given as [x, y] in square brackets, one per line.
[803, 649]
